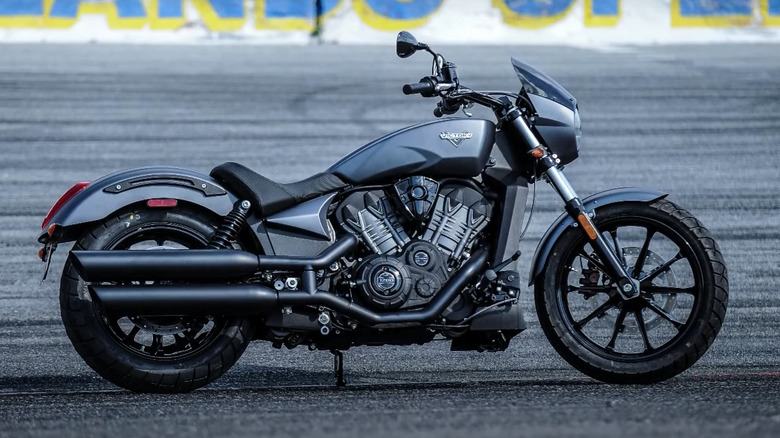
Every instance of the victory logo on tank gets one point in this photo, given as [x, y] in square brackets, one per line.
[456, 137]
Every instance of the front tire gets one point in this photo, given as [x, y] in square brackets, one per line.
[149, 354]
[684, 294]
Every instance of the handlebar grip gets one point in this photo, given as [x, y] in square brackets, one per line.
[422, 87]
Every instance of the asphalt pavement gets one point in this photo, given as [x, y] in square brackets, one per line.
[700, 122]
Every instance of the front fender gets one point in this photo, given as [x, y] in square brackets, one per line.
[106, 195]
[591, 203]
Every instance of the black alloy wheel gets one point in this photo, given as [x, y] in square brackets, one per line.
[680, 309]
[177, 353]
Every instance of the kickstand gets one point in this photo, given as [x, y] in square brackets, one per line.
[338, 368]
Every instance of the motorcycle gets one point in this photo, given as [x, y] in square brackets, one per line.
[411, 237]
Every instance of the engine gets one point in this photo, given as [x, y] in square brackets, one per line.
[413, 236]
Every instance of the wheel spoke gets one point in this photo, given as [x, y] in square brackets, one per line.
[180, 341]
[129, 338]
[661, 269]
[590, 290]
[595, 262]
[640, 259]
[191, 338]
[665, 315]
[618, 247]
[598, 313]
[640, 322]
[618, 329]
[653, 289]
[156, 344]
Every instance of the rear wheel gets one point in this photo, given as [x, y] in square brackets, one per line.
[682, 302]
[150, 353]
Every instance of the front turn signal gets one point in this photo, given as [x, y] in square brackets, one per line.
[587, 226]
[537, 152]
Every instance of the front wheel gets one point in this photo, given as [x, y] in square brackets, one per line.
[680, 309]
[176, 353]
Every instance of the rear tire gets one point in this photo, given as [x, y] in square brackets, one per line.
[155, 355]
[684, 294]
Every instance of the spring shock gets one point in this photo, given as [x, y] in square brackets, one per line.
[232, 225]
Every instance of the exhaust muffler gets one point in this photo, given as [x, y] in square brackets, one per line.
[253, 299]
[195, 265]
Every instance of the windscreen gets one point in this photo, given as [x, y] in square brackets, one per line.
[538, 83]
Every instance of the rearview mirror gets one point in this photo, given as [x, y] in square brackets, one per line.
[406, 44]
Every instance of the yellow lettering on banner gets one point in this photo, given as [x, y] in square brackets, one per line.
[680, 20]
[593, 20]
[386, 15]
[770, 12]
[206, 12]
[32, 21]
[514, 19]
[105, 8]
[9, 21]
[415, 13]
[289, 23]
[279, 23]
[164, 23]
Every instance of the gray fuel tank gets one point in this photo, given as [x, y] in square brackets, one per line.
[454, 147]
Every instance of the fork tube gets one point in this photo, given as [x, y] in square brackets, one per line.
[561, 184]
[515, 119]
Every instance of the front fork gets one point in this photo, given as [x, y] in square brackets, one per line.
[627, 287]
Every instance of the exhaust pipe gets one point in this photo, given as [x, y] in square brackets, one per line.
[195, 265]
[195, 299]
[191, 265]
[248, 299]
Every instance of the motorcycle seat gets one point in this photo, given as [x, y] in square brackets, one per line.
[269, 197]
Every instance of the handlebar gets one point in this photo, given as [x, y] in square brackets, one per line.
[424, 87]
[453, 96]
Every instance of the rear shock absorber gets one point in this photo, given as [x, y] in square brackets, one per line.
[232, 225]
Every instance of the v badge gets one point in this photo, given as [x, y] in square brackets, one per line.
[456, 138]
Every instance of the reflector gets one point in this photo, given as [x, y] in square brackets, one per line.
[161, 203]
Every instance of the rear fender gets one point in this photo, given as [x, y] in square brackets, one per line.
[111, 193]
[591, 203]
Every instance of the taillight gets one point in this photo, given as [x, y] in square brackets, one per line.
[63, 200]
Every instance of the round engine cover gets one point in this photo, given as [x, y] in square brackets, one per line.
[426, 287]
[424, 255]
[385, 282]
